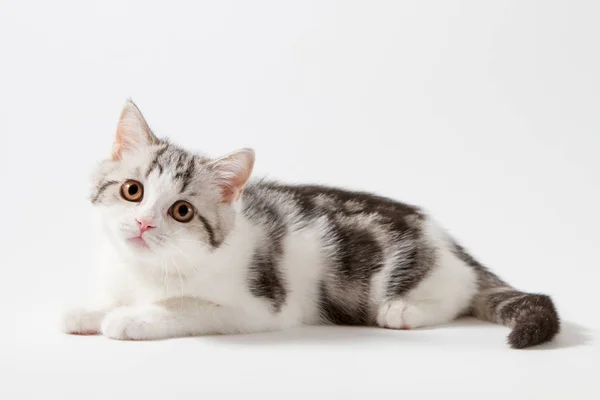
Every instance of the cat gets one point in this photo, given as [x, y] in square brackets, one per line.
[190, 246]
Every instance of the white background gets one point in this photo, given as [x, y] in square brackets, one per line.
[485, 113]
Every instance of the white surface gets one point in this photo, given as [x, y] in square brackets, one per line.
[483, 112]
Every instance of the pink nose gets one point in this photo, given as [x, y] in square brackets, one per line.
[145, 225]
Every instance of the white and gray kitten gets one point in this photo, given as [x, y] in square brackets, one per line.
[192, 248]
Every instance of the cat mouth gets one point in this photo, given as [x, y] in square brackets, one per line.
[138, 241]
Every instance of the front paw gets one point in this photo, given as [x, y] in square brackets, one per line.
[81, 321]
[130, 324]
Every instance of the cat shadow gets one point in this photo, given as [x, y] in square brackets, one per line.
[571, 335]
[307, 335]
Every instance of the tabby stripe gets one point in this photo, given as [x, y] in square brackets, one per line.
[155, 163]
[101, 189]
[180, 161]
[187, 175]
[209, 229]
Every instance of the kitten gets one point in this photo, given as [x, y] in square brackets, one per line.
[191, 248]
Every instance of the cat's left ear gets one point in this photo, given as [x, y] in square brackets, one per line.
[232, 172]
[133, 131]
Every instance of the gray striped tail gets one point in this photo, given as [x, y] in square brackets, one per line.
[532, 317]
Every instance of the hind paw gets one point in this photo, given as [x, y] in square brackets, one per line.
[399, 314]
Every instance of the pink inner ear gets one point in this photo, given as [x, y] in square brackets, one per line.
[123, 140]
[118, 145]
[228, 194]
[233, 172]
[233, 188]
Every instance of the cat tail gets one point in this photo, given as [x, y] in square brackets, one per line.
[532, 317]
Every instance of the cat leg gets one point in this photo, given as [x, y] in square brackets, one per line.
[82, 321]
[186, 316]
[87, 320]
[445, 293]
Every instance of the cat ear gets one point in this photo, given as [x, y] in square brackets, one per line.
[132, 131]
[232, 172]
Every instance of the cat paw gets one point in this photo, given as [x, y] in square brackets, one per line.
[129, 324]
[80, 321]
[414, 316]
[390, 315]
[400, 314]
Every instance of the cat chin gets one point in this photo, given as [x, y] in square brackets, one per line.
[138, 243]
[132, 249]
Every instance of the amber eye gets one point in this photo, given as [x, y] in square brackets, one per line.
[182, 211]
[132, 191]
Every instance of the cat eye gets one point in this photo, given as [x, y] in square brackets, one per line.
[182, 211]
[132, 191]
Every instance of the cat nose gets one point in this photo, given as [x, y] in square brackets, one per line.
[145, 224]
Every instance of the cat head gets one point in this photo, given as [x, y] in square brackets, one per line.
[160, 203]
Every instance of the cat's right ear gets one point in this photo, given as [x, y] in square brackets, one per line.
[133, 131]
